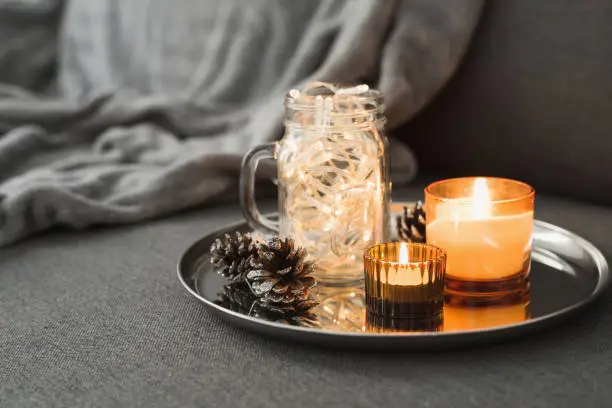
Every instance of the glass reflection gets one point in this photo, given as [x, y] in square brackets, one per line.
[458, 318]
[341, 309]
[382, 324]
[344, 310]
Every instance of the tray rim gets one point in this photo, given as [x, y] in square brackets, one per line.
[602, 284]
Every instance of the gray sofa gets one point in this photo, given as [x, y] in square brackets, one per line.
[99, 319]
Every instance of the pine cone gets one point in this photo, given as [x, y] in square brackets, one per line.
[280, 275]
[411, 224]
[231, 255]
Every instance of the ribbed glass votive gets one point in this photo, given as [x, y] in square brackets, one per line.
[404, 280]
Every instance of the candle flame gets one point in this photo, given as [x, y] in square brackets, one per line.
[481, 198]
[403, 255]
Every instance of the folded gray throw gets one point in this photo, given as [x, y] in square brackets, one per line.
[157, 101]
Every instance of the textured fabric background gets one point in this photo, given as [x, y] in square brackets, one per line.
[99, 319]
[159, 100]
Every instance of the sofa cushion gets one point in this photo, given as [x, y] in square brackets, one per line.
[531, 101]
[99, 318]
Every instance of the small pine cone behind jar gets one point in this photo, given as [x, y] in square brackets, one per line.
[411, 225]
[231, 255]
[281, 276]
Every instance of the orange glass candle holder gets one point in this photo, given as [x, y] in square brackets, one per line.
[485, 225]
[404, 280]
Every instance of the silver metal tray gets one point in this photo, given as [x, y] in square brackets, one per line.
[567, 274]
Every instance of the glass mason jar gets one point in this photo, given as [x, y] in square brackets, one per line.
[333, 178]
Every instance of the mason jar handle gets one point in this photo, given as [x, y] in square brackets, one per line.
[247, 189]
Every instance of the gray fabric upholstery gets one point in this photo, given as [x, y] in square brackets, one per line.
[99, 320]
[531, 100]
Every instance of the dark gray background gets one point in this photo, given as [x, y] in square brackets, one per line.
[531, 101]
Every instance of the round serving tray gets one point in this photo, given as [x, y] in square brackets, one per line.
[567, 273]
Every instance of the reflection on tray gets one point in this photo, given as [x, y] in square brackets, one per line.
[343, 309]
[474, 318]
[381, 324]
[238, 297]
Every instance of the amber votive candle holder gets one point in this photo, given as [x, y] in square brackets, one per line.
[485, 225]
[404, 280]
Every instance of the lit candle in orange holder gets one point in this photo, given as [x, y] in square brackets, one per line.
[404, 280]
[485, 225]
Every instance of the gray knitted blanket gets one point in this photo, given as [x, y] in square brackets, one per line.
[152, 103]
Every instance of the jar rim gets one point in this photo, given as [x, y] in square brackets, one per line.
[316, 93]
[528, 192]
